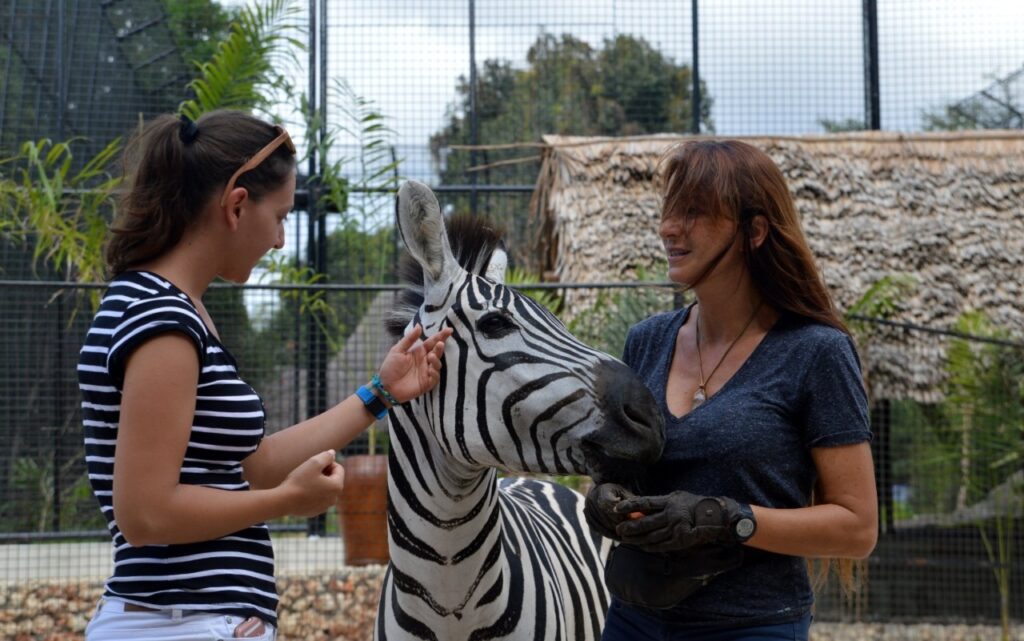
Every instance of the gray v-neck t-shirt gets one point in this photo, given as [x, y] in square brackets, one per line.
[800, 389]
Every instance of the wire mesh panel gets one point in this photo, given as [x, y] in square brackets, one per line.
[85, 69]
[406, 58]
[782, 68]
[950, 65]
[950, 486]
[465, 91]
[948, 477]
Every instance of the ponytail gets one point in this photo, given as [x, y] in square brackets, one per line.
[173, 167]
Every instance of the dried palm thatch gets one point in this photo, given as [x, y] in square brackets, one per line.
[947, 209]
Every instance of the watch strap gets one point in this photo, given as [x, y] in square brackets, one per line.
[744, 525]
[372, 403]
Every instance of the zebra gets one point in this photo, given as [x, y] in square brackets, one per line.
[472, 556]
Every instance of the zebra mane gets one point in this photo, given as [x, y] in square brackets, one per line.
[473, 240]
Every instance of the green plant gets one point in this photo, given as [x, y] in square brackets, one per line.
[366, 129]
[521, 279]
[378, 179]
[244, 72]
[985, 404]
[606, 322]
[32, 509]
[63, 212]
[66, 213]
[881, 301]
[304, 299]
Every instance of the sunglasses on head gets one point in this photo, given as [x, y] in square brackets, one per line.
[282, 139]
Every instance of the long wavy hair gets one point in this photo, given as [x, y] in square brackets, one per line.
[732, 180]
[735, 181]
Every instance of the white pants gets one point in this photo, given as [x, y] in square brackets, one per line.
[112, 623]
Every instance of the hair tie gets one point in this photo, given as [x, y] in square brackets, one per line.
[188, 131]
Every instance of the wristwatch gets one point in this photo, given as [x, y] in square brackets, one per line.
[373, 404]
[743, 524]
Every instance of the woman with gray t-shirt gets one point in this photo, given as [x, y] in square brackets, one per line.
[767, 459]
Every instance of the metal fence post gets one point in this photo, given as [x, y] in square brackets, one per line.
[316, 361]
[881, 420]
[695, 68]
[474, 117]
[872, 99]
[62, 98]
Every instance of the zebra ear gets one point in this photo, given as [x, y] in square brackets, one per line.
[496, 267]
[422, 228]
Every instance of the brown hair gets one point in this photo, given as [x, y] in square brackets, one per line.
[172, 171]
[736, 181]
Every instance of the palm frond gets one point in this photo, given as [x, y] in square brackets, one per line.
[376, 173]
[64, 213]
[246, 65]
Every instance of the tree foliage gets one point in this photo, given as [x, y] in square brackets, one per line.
[198, 27]
[984, 408]
[626, 87]
[244, 71]
[999, 106]
[843, 125]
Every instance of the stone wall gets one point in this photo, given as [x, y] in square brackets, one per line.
[342, 605]
[314, 607]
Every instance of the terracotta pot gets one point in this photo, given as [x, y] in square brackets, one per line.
[363, 510]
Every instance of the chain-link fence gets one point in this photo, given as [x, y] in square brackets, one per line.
[949, 473]
[459, 82]
[467, 89]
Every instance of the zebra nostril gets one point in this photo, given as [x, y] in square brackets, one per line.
[635, 415]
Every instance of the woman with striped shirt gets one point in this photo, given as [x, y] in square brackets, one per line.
[175, 443]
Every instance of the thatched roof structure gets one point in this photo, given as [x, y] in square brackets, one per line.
[946, 208]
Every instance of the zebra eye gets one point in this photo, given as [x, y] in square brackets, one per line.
[495, 324]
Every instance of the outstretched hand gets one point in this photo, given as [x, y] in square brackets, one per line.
[413, 367]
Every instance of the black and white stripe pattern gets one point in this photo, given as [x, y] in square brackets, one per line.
[233, 574]
[475, 557]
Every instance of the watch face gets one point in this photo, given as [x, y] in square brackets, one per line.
[745, 528]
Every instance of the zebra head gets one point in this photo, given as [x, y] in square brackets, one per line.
[518, 392]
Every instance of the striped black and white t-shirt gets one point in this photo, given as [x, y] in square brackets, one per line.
[233, 574]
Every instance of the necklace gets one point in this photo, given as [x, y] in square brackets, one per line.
[701, 394]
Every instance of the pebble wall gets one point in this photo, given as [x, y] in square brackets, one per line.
[342, 605]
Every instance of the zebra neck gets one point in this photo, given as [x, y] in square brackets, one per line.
[445, 527]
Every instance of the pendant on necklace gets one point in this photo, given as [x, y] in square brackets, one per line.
[699, 397]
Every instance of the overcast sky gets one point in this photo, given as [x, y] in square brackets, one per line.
[771, 66]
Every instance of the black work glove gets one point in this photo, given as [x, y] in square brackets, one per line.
[680, 521]
[599, 508]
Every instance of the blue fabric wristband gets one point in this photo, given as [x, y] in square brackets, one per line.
[373, 404]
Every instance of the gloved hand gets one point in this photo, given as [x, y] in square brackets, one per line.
[599, 508]
[680, 520]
